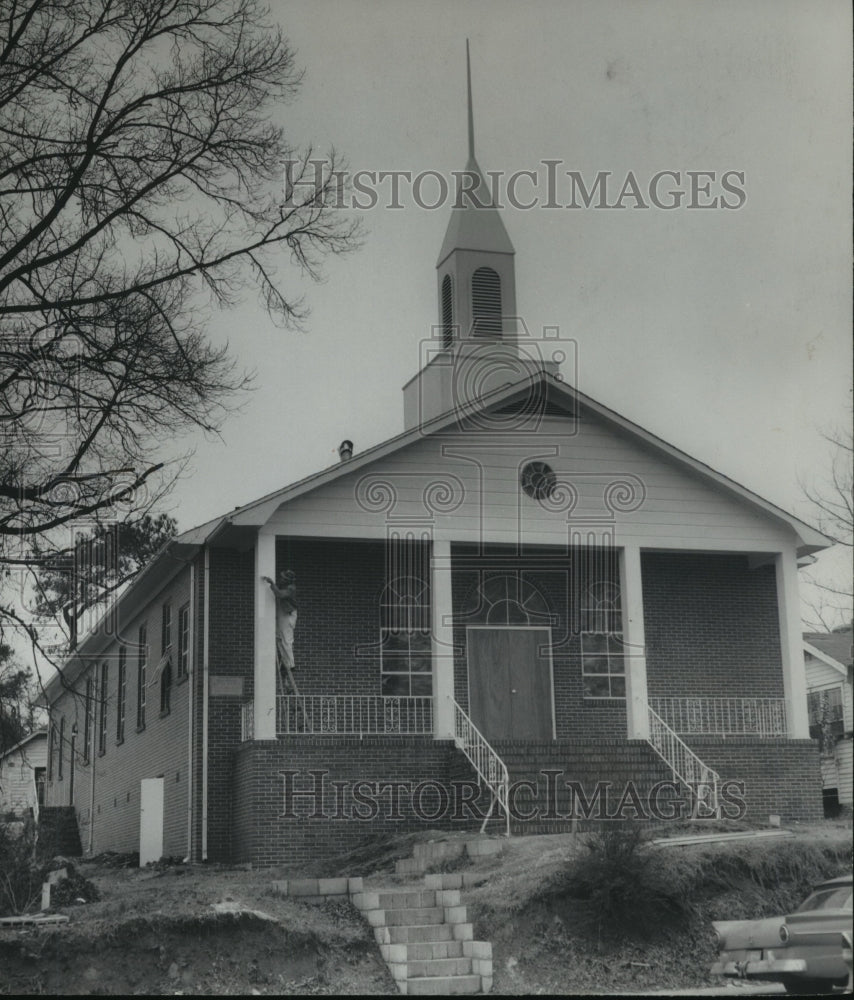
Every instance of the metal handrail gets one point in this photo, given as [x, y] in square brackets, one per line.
[733, 716]
[700, 779]
[490, 768]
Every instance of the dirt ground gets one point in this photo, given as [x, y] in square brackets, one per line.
[177, 929]
[156, 931]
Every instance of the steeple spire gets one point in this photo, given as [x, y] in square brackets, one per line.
[471, 112]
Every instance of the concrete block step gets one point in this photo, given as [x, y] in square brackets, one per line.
[420, 933]
[432, 967]
[420, 951]
[432, 986]
[454, 880]
[414, 916]
[400, 899]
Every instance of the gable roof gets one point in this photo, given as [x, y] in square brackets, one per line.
[559, 394]
[832, 648]
[24, 742]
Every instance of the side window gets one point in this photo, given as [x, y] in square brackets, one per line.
[184, 641]
[141, 664]
[166, 626]
[166, 689]
[121, 695]
[87, 722]
[102, 709]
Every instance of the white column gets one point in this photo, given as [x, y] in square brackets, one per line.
[265, 638]
[631, 590]
[792, 646]
[441, 599]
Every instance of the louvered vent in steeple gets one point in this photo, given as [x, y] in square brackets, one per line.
[486, 302]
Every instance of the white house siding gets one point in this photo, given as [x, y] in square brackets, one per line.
[836, 772]
[17, 776]
[466, 486]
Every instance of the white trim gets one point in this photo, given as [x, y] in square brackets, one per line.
[265, 665]
[514, 628]
[792, 645]
[634, 638]
[441, 613]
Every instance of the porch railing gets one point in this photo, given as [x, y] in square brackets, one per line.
[490, 768]
[723, 716]
[687, 768]
[354, 715]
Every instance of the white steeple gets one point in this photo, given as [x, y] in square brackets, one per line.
[474, 345]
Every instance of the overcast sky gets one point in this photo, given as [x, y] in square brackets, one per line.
[725, 332]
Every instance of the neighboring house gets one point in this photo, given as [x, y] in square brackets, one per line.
[22, 776]
[522, 579]
[828, 659]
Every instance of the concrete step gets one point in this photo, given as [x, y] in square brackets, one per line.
[432, 986]
[413, 898]
[417, 933]
[421, 951]
[432, 967]
[410, 917]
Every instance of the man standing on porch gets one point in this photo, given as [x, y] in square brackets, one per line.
[286, 620]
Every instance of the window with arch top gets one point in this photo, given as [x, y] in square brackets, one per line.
[486, 302]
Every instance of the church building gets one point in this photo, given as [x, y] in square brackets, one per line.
[522, 613]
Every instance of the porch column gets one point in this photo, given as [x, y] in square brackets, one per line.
[791, 646]
[631, 591]
[441, 602]
[265, 638]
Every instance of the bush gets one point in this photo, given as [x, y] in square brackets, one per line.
[24, 867]
[20, 876]
[625, 886]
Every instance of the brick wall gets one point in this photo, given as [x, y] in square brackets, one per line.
[231, 655]
[265, 834]
[339, 586]
[780, 776]
[712, 626]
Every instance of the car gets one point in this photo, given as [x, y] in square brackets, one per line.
[805, 950]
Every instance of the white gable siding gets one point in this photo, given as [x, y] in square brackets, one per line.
[466, 486]
[838, 771]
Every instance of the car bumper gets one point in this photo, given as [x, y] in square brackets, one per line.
[757, 968]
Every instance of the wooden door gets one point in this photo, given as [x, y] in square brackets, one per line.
[510, 684]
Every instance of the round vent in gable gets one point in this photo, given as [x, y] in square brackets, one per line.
[538, 480]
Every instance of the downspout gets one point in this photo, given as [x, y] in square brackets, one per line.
[90, 708]
[205, 683]
[191, 684]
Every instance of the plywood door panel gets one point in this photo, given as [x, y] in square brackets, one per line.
[510, 687]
